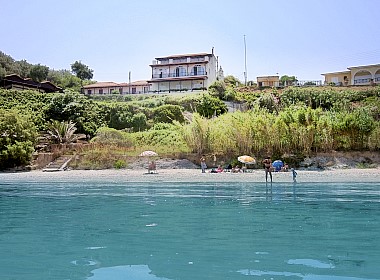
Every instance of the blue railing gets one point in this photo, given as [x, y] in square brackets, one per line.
[174, 75]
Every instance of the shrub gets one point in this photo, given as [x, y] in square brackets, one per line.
[168, 114]
[111, 136]
[18, 136]
[218, 89]
[208, 106]
[119, 164]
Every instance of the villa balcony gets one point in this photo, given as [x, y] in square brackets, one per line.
[362, 81]
[179, 61]
[179, 75]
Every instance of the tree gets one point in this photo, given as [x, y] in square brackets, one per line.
[18, 136]
[39, 73]
[23, 68]
[82, 71]
[287, 80]
[232, 81]
[218, 89]
[64, 79]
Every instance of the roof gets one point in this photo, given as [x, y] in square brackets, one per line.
[184, 55]
[340, 72]
[14, 79]
[113, 84]
[135, 83]
[102, 85]
[364, 66]
[353, 67]
[268, 77]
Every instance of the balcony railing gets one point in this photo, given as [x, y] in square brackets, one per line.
[176, 75]
[362, 81]
[197, 59]
[179, 60]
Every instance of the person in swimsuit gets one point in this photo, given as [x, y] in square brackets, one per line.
[203, 164]
[268, 168]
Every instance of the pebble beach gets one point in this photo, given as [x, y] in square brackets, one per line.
[192, 175]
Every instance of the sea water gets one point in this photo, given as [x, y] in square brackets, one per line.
[103, 230]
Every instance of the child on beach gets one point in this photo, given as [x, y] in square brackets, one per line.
[294, 175]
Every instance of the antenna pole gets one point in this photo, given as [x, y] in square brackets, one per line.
[245, 62]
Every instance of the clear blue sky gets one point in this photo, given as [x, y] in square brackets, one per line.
[303, 38]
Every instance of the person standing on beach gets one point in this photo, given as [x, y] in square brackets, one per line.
[294, 175]
[203, 164]
[268, 168]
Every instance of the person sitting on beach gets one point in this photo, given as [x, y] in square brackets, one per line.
[228, 168]
[236, 169]
[285, 168]
[219, 169]
[152, 167]
[244, 169]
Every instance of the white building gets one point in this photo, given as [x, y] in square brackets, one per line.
[355, 76]
[183, 72]
[120, 88]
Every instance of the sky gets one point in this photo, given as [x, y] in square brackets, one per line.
[302, 38]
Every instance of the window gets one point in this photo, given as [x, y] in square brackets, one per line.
[101, 91]
[89, 91]
[133, 90]
[198, 70]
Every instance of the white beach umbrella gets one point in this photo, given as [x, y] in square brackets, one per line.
[148, 154]
[247, 159]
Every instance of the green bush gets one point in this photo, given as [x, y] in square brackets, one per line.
[208, 106]
[168, 114]
[119, 164]
[111, 136]
[218, 89]
[18, 136]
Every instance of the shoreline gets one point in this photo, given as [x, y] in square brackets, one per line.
[193, 175]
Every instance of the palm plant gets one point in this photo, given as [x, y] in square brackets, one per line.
[62, 132]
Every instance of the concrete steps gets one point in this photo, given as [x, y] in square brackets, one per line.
[59, 164]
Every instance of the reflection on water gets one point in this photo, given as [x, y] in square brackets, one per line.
[189, 231]
[124, 272]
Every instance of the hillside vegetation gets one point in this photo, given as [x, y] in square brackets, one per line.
[291, 121]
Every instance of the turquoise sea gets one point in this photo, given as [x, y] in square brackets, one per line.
[104, 230]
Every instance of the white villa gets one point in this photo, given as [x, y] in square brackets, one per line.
[183, 72]
[357, 75]
[120, 88]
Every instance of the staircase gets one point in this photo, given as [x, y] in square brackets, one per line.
[59, 164]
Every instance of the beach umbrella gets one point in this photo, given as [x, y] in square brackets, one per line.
[247, 159]
[278, 164]
[148, 154]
